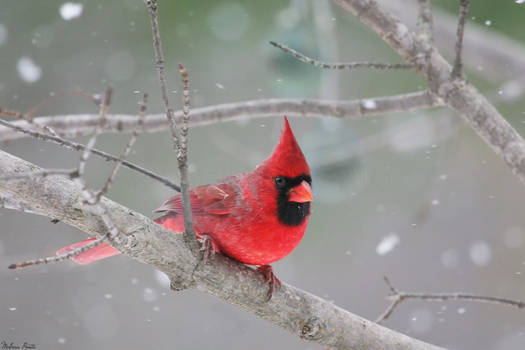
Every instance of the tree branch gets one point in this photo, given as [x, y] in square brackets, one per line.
[80, 147]
[457, 71]
[425, 22]
[111, 231]
[342, 65]
[497, 56]
[182, 158]
[83, 124]
[134, 134]
[180, 140]
[456, 93]
[398, 297]
[299, 312]
[159, 64]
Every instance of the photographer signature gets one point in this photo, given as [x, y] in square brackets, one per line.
[12, 345]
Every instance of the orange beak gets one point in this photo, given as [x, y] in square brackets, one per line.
[301, 193]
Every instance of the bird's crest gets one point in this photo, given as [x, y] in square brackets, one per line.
[287, 158]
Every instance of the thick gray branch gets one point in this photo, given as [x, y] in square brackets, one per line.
[84, 124]
[301, 313]
[457, 94]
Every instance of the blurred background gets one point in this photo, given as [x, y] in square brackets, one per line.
[416, 196]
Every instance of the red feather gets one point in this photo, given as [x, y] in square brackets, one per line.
[240, 213]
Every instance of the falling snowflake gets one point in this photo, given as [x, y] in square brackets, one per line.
[70, 10]
[387, 244]
[28, 70]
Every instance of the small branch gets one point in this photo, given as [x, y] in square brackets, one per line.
[159, 64]
[58, 258]
[398, 297]
[182, 158]
[348, 65]
[27, 118]
[186, 106]
[104, 105]
[386, 314]
[179, 141]
[112, 233]
[129, 146]
[425, 22]
[457, 71]
[83, 124]
[80, 147]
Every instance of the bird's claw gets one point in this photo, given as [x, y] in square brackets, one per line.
[270, 278]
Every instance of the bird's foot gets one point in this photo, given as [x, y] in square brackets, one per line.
[270, 278]
[208, 247]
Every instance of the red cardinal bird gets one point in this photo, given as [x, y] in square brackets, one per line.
[256, 218]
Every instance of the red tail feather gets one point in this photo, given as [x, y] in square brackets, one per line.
[105, 250]
[99, 252]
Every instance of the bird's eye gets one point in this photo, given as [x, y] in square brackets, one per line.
[280, 182]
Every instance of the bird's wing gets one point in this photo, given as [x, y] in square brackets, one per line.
[209, 199]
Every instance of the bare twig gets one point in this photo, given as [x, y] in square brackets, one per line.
[159, 64]
[80, 147]
[111, 234]
[79, 171]
[112, 231]
[342, 65]
[83, 124]
[30, 112]
[104, 105]
[425, 25]
[498, 57]
[398, 297]
[425, 29]
[186, 106]
[179, 145]
[127, 149]
[457, 71]
[58, 258]
[27, 118]
[386, 314]
[182, 158]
